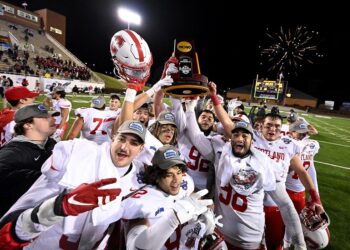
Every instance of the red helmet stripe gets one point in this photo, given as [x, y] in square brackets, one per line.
[138, 45]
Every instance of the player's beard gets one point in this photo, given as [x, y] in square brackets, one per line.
[241, 152]
[206, 131]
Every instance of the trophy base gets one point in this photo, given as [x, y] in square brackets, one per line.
[188, 90]
[188, 87]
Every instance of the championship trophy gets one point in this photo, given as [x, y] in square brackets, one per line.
[188, 82]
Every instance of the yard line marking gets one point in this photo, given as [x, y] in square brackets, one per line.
[80, 101]
[319, 123]
[321, 116]
[333, 165]
[335, 143]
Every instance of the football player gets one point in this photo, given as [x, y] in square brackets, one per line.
[167, 204]
[93, 123]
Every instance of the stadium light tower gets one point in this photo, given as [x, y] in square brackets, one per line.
[24, 4]
[129, 16]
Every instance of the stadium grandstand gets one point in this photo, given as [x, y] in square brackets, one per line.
[32, 47]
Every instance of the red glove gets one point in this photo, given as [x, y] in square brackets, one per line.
[8, 241]
[315, 203]
[87, 197]
[173, 60]
[138, 86]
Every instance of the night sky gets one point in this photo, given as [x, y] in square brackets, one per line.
[227, 39]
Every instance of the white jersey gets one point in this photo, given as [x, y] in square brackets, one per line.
[240, 186]
[309, 148]
[285, 130]
[281, 151]
[152, 203]
[97, 123]
[114, 113]
[57, 105]
[72, 163]
[198, 166]
[149, 148]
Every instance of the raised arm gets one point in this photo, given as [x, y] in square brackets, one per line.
[220, 112]
[178, 111]
[169, 69]
[127, 109]
[196, 136]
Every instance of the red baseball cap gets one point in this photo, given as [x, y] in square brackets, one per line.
[19, 92]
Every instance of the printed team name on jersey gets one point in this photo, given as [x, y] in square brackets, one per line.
[276, 156]
[306, 157]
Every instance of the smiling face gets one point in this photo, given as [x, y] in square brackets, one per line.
[241, 142]
[114, 104]
[125, 148]
[142, 115]
[171, 183]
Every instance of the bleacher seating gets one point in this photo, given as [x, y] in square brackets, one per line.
[38, 45]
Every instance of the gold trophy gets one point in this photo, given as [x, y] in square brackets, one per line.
[188, 82]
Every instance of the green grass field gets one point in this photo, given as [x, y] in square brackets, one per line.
[333, 169]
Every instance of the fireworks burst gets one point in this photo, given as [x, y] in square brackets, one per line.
[287, 51]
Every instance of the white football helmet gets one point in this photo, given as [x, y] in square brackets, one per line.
[315, 228]
[131, 56]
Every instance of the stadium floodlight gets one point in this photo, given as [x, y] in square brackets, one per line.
[129, 16]
[24, 4]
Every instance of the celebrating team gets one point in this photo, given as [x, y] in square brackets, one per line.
[178, 182]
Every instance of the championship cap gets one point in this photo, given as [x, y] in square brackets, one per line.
[165, 118]
[98, 102]
[299, 126]
[243, 125]
[133, 127]
[167, 157]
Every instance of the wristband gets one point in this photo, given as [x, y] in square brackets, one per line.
[314, 196]
[130, 95]
[215, 99]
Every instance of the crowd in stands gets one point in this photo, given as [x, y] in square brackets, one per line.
[62, 68]
[50, 67]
